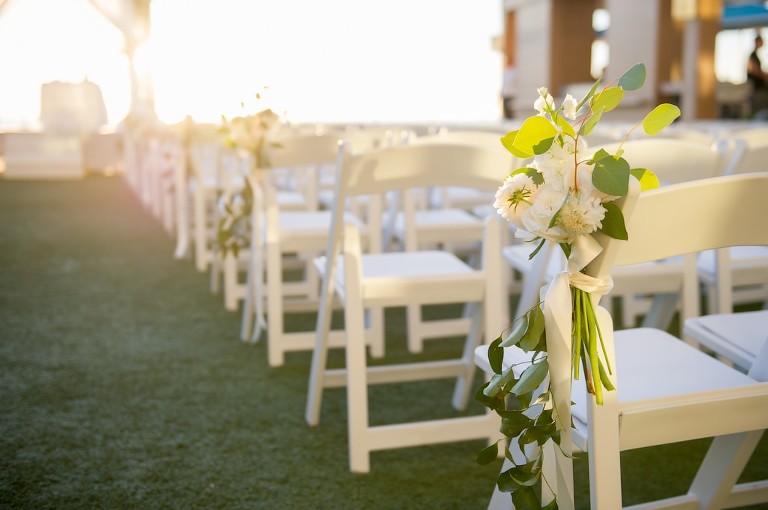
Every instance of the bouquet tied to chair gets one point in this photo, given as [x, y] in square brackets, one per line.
[248, 135]
[563, 195]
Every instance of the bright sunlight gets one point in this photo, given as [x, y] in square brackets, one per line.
[329, 61]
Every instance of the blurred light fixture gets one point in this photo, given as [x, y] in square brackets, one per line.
[684, 10]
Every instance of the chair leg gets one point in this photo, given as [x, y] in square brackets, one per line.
[375, 328]
[463, 388]
[275, 319]
[413, 324]
[319, 356]
[230, 282]
[357, 388]
[246, 325]
[721, 467]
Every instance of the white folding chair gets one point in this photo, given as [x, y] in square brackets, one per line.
[375, 280]
[447, 220]
[284, 240]
[666, 390]
[733, 337]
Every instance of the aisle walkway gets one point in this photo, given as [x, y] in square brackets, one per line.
[123, 384]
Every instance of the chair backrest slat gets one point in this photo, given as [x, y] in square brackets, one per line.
[689, 218]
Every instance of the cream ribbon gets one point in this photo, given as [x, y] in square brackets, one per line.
[557, 308]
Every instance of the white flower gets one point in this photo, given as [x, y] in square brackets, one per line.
[557, 164]
[581, 214]
[538, 216]
[514, 196]
[569, 107]
[544, 102]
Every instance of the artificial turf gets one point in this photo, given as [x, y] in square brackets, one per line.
[123, 384]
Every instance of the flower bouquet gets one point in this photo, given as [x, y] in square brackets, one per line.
[563, 195]
[248, 135]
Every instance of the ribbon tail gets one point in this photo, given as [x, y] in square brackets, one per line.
[557, 317]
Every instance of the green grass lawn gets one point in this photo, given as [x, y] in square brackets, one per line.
[123, 385]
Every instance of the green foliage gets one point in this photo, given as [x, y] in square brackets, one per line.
[633, 78]
[660, 117]
[613, 223]
[525, 403]
[535, 136]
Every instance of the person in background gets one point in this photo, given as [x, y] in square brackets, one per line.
[758, 80]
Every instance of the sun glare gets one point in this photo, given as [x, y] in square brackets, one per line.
[336, 60]
[70, 42]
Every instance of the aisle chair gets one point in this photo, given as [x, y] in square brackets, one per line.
[690, 395]
[284, 240]
[445, 219]
[362, 281]
[735, 338]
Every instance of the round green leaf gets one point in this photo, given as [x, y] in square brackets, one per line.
[508, 141]
[607, 100]
[611, 176]
[533, 134]
[613, 223]
[488, 454]
[660, 117]
[589, 125]
[648, 180]
[634, 78]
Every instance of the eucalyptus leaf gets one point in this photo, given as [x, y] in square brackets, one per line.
[518, 330]
[506, 483]
[534, 133]
[589, 125]
[495, 355]
[534, 331]
[513, 423]
[633, 78]
[488, 454]
[543, 146]
[613, 223]
[531, 377]
[589, 94]
[648, 180]
[508, 141]
[607, 100]
[498, 381]
[565, 126]
[597, 156]
[526, 499]
[534, 174]
[660, 117]
[552, 505]
[611, 176]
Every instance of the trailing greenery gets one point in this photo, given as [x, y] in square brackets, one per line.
[563, 195]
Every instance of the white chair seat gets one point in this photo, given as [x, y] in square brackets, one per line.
[461, 198]
[737, 337]
[398, 272]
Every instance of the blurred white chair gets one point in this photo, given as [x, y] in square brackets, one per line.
[446, 219]
[690, 395]
[735, 338]
[283, 240]
[365, 281]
